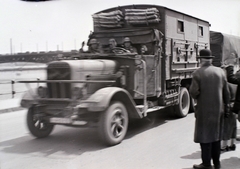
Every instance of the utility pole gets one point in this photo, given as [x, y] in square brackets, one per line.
[75, 44]
[37, 46]
[11, 50]
[21, 47]
[46, 46]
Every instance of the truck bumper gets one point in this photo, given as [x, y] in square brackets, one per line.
[67, 121]
[66, 115]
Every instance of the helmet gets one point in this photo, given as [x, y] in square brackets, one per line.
[112, 40]
[93, 41]
[126, 39]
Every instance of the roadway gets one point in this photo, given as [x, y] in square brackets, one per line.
[159, 143]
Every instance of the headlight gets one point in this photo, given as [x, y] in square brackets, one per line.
[42, 92]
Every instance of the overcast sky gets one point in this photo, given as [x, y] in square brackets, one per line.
[41, 26]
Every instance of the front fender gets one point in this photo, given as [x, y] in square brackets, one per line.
[29, 98]
[100, 100]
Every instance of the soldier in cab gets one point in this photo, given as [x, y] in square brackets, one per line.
[112, 44]
[93, 47]
[127, 44]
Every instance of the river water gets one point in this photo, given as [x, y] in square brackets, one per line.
[7, 76]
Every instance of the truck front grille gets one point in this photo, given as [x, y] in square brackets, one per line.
[59, 71]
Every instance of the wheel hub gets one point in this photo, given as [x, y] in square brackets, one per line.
[117, 124]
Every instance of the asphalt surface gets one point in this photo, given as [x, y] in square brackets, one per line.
[161, 142]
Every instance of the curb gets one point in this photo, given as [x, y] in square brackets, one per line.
[8, 110]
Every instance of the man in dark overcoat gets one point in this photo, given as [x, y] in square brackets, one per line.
[234, 78]
[209, 88]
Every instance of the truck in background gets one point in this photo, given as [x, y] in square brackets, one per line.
[105, 90]
[223, 47]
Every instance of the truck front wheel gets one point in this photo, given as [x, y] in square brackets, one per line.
[113, 123]
[36, 126]
[182, 109]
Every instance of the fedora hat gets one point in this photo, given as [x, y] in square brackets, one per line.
[206, 54]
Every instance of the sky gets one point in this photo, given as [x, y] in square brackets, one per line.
[64, 24]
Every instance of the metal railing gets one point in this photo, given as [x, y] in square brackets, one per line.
[12, 88]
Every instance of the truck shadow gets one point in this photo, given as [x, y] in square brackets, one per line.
[154, 119]
[76, 141]
[68, 141]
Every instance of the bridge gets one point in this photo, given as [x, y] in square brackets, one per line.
[38, 57]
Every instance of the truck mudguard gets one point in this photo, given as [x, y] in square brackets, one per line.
[29, 98]
[101, 99]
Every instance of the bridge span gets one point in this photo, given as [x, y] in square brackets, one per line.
[38, 57]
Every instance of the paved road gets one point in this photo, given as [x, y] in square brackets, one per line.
[164, 143]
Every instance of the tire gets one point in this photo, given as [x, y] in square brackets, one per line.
[182, 109]
[38, 127]
[113, 124]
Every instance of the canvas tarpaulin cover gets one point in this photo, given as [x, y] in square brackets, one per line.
[222, 46]
[137, 36]
[115, 19]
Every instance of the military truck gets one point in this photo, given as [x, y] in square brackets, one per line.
[224, 47]
[106, 90]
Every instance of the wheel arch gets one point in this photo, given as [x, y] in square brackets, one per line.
[104, 96]
[29, 98]
[126, 100]
[186, 82]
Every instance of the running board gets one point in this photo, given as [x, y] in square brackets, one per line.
[152, 109]
[156, 108]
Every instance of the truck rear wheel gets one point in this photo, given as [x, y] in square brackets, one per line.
[182, 109]
[36, 126]
[113, 124]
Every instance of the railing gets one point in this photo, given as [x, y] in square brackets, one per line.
[12, 87]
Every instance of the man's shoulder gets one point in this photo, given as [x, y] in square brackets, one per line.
[196, 72]
[215, 68]
[209, 68]
[218, 69]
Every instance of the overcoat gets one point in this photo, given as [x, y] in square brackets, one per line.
[229, 122]
[209, 88]
[234, 79]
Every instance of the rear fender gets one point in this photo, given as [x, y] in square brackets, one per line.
[100, 100]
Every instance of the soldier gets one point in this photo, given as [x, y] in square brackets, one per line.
[127, 44]
[112, 44]
[93, 46]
